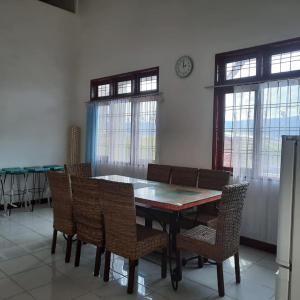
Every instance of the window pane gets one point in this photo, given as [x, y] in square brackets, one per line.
[241, 69]
[124, 87]
[104, 90]
[126, 132]
[148, 83]
[146, 131]
[114, 132]
[280, 116]
[285, 62]
[239, 126]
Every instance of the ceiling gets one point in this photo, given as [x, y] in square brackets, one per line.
[69, 5]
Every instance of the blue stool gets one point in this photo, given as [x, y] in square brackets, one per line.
[37, 190]
[54, 167]
[14, 175]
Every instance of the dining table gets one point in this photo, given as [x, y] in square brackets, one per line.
[169, 198]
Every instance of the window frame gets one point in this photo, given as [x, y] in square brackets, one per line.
[134, 76]
[222, 86]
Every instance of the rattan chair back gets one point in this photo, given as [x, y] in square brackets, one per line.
[119, 216]
[184, 176]
[60, 188]
[229, 218]
[213, 179]
[160, 173]
[80, 170]
[88, 210]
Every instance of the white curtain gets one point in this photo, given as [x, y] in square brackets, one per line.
[261, 115]
[126, 135]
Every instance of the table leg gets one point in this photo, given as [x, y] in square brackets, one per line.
[176, 274]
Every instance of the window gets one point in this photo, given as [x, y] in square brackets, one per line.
[257, 100]
[122, 85]
[126, 131]
[126, 118]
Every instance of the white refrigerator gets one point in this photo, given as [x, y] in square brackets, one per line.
[288, 241]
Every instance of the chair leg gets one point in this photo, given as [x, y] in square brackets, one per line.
[54, 238]
[69, 249]
[148, 222]
[107, 265]
[78, 253]
[98, 261]
[132, 264]
[237, 267]
[220, 279]
[200, 262]
[164, 263]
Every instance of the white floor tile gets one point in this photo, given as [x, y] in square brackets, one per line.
[23, 296]
[186, 290]
[19, 264]
[60, 289]
[26, 263]
[12, 252]
[89, 297]
[206, 276]
[248, 291]
[260, 276]
[8, 288]
[36, 277]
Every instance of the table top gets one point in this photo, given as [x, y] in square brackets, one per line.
[166, 196]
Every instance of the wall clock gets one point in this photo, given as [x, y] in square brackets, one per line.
[184, 66]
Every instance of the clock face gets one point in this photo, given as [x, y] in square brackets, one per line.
[184, 66]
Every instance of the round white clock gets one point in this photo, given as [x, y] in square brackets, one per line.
[184, 66]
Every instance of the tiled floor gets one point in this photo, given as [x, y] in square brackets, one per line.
[28, 271]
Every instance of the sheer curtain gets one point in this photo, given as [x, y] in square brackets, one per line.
[125, 135]
[261, 115]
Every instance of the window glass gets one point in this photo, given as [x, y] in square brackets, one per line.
[241, 69]
[148, 83]
[285, 62]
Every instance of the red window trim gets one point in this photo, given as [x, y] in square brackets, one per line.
[134, 76]
[263, 55]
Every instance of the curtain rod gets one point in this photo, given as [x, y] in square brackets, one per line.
[125, 97]
[248, 83]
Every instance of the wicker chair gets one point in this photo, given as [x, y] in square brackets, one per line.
[184, 176]
[223, 242]
[159, 173]
[88, 216]
[80, 170]
[60, 188]
[123, 236]
[207, 214]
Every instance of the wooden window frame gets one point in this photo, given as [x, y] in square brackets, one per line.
[222, 86]
[134, 76]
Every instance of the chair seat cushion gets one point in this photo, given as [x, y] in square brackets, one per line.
[149, 240]
[201, 233]
[202, 241]
[194, 218]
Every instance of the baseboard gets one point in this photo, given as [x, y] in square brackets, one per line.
[258, 245]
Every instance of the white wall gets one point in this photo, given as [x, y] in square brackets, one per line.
[37, 72]
[120, 36]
